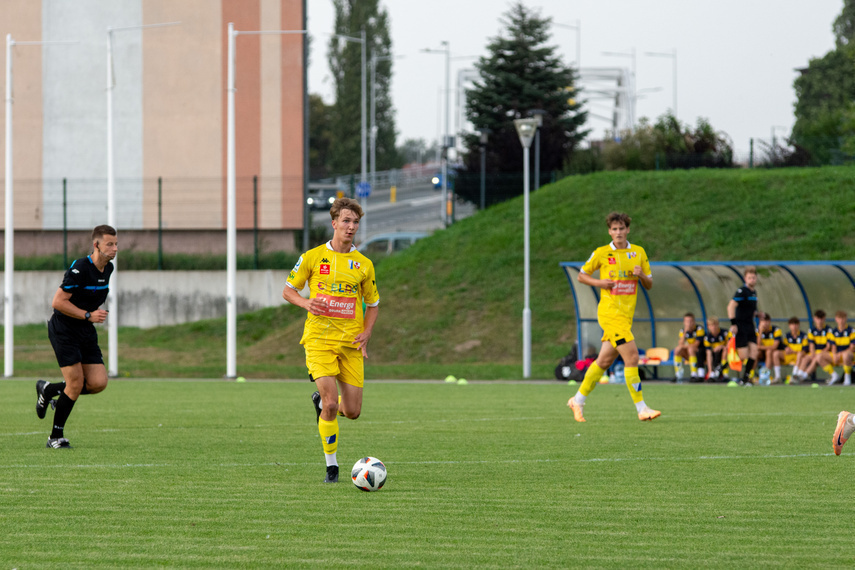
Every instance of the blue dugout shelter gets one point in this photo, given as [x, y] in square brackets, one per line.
[784, 289]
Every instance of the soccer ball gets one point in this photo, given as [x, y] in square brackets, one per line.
[369, 474]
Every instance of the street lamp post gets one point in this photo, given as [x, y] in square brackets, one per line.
[526, 129]
[373, 130]
[537, 114]
[9, 229]
[485, 135]
[630, 89]
[231, 192]
[672, 54]
[446, 198]
[578, 29]
[113, 298]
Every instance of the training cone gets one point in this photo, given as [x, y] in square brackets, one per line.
[462, 382]
[571, 382]
[814, 385]
[450, 379]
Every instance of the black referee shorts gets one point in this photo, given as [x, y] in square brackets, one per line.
[745, 333]
[74, 344]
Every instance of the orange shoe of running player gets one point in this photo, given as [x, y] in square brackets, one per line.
[648, 414]
[577, 410]
[840, 436]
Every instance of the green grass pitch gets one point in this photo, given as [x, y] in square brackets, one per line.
[212, 474]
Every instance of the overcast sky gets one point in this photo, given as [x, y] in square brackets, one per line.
[736, 59]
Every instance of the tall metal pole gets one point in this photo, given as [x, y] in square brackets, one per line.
[372, 132]
[231, 233]
[526, 278]
[364, 158]
[9, 235]
[113, 297]
[112, 305]
[447, 142]
[483, 174]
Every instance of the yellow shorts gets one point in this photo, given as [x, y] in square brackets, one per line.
[342, 362]
[616, 335]
[790, 359]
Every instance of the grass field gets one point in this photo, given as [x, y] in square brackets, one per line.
[211, 474]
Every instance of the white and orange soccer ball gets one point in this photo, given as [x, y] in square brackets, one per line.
[369, 474]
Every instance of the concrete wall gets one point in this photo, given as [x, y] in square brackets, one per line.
[155, 298]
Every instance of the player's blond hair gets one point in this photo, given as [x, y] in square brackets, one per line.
[750, 269]
[346, 204]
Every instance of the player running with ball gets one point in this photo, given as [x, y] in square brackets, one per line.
[622, 267]
[336, 334]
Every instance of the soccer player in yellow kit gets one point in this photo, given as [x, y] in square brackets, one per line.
[336, 334]
[622, 267]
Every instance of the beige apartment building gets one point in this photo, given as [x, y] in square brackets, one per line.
[169, 121]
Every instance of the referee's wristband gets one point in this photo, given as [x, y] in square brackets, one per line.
[732, 322]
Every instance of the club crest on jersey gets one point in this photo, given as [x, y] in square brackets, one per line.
[631, 254]
[352, 264]
[325, 269]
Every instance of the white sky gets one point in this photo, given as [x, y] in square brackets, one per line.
[736, 59]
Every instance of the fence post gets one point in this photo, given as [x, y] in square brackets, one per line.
[255, 222]
[751, 153]
[159, 223]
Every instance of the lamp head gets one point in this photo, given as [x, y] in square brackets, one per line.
[525, 130]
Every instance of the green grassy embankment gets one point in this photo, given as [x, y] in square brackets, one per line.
[453, 302]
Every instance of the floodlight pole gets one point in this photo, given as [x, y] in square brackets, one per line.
[113, 297]
[9, 229]
[446, 199]
[231, 192]
[526, 129]
[673, 55]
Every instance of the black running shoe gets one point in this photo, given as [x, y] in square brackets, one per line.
[58, 443]
[316, 400]
[41, 400]
[332, 473]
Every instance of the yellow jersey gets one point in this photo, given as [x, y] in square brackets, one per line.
[345, 280]
[617, 305]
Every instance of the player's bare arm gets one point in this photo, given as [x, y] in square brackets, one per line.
[362, 338]
[601, 283]
[646, 280]
[316, 305]
[62, 303]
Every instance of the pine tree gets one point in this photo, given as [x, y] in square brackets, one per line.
[345, 61]
[522, 73]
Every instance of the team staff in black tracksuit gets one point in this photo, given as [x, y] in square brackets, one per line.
[76, 306]
[741, 310]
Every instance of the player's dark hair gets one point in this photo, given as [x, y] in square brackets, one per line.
[765, 317]
[345, 204]
[618, 217]
[103, 230]
[689, 315]
[793, 321]
[819, 313]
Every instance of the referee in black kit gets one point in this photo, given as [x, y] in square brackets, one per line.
[76, 306]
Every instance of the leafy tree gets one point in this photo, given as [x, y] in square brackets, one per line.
[320, 137]
[521, 72]
[345, 61]
[416, 151]
[824, 93]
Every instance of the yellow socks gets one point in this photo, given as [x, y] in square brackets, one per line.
[592, 376]
[329, 435]
[633, 383]
[693, 365]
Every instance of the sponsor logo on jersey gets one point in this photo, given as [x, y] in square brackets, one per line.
[352, 264]
[624, 287]
[345, 288]
[339, 307]
[297, 265]
[612, 260]
[325, 269]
